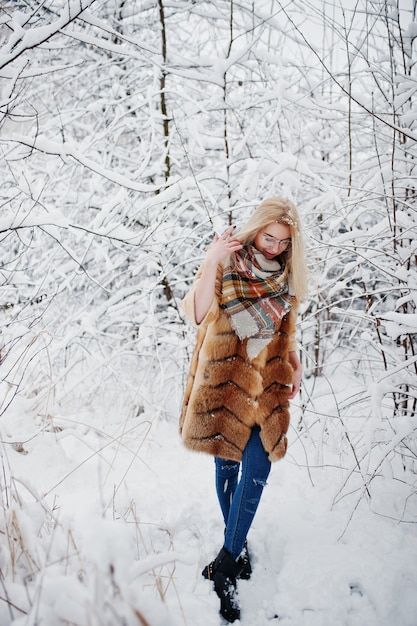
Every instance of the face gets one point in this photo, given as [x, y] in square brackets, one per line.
[273, 239]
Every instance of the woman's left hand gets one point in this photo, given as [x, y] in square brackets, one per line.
[298, 371]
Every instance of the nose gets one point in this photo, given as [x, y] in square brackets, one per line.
[275, 247]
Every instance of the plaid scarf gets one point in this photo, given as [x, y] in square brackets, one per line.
[254, 298]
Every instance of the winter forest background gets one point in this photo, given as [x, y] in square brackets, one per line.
[130, 132]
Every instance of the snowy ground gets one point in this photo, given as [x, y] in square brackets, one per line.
[113, 518]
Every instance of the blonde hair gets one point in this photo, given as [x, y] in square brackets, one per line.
[282, 211]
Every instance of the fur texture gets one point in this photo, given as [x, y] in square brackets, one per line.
[226, 394]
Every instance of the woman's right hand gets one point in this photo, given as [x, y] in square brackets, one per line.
[218, 250]
[222, 246]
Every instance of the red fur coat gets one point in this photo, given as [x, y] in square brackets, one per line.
[226, 394]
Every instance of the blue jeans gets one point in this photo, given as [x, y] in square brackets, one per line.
[239, 499]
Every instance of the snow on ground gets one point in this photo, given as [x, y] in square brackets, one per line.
[133, 518]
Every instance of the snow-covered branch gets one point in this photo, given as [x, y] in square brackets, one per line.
[70, 149]
[23, 39]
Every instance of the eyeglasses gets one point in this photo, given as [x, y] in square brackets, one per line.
[284, 244]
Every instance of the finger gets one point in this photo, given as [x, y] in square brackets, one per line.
[294, 391]
[228, 231]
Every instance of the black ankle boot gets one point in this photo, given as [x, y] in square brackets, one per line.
[225, 571]
[243, 560]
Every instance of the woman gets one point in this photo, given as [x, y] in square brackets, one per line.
[244, 371]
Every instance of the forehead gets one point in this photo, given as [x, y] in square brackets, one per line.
[279, 231]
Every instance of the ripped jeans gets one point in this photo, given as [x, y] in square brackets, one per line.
[239, 499]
